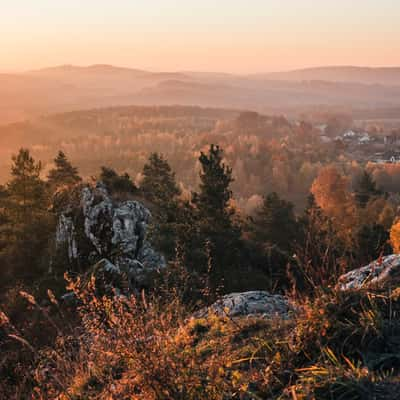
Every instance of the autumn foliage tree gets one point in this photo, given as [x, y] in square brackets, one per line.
[319, 250]
[395, 236]
[331, 193]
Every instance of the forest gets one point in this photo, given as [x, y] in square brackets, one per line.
[85, 315]
[264, 151]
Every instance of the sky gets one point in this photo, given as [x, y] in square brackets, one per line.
[208, 35]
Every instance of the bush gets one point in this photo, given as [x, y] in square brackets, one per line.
[340, 345]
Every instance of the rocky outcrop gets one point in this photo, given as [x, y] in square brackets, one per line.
[98, 228]
[384, 272]
[247, 304]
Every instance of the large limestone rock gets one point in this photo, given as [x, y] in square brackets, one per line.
[381, 273]
[248, 304]
[98, 228]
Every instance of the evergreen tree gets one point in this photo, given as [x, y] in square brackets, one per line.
[218, 234]
[372, 241]
[26, 190]
[275, 223]
[159, 184]
[273, 234]
[213, 199]
[117, 183]
[365, 189]
[64, 174]
[171, 216]
[26, 224]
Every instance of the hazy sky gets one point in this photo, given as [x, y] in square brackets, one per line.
[218, 35]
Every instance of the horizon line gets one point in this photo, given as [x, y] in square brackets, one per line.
[189, 70]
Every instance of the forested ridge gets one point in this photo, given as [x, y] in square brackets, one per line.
[263, 151]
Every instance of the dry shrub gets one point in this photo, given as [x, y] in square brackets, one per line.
[134, 348]
[339, 345]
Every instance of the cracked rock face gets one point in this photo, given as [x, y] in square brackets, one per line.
[384, 272]
[99, 228]
[247, 304]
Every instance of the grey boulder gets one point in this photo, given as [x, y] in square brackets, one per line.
[381, 273]
[248, 304]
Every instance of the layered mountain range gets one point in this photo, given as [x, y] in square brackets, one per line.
[67, 88]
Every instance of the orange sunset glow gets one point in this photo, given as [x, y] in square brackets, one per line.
[231, 36]
[200, 200]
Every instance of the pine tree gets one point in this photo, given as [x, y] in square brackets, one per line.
[273, 234]
[372, 241]
[213, 199]
[64, 174]
[171, 216]
[26, 190]
[275, 223]
[217, 232]
[27, 225]
[117, 183]
[159, 184]
[365, 189]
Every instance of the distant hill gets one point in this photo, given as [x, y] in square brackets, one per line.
[366, 75]
[69, 88]
[269, 95]
[108, 74]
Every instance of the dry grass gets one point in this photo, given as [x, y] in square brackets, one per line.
[339, 346]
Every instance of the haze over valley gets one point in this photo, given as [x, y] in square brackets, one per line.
[67, 88]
